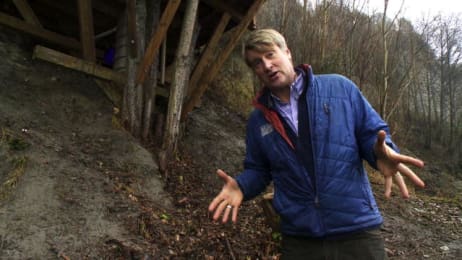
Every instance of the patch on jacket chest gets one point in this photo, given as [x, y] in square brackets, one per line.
[266, 129]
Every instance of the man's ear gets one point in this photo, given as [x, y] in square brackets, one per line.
[289, 54]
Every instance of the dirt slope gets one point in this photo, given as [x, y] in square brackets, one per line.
[73, 186]
[59, 154]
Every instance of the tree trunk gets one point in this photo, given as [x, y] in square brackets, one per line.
[182, 67]
[127, 60]
[152, 20]
[384, 89]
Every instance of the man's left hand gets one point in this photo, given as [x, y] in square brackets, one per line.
[392, 165]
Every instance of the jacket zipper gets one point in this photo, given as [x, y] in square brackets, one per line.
[315, 184]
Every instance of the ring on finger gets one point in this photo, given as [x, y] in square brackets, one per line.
[229, 206]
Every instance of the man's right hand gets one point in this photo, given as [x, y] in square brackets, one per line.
[228, 200]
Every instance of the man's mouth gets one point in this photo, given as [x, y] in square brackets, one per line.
[273, 75]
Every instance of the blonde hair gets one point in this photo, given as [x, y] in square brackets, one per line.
[262, 40]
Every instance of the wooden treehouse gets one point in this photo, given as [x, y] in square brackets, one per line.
[154, 59]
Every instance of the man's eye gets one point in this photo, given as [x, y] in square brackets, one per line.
[256, 63]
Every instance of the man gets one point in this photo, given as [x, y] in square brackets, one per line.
[309, 135]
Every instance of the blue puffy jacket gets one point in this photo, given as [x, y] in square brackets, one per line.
[344, 126]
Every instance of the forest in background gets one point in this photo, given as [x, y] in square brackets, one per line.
[411, 73]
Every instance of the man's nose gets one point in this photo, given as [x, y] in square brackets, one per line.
[267, 65]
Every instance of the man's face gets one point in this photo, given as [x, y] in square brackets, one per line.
[273, 67]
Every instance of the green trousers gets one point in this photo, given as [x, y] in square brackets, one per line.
[367, 245]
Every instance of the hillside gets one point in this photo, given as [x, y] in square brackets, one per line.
[74, 186]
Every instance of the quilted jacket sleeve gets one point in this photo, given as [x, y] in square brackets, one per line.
[368, 123]
[256, 175]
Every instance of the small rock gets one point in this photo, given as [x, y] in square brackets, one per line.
[444, 248]
[389, 252]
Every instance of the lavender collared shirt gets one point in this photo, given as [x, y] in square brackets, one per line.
[289, 110]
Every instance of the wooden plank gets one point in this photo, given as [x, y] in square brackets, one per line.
[156, 40]
[215, 68]
[27, 13]
[50, 36]
[112, 90]
[74, 63]
[87, 33]
[207, 55]
[131, 19]
[87, 67]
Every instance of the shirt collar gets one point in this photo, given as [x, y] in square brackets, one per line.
[296, 88]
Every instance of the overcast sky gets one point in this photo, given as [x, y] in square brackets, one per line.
[416, 9]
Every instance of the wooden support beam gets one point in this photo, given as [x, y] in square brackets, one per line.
[180, 79]
[204, 82]
[87, 33]
[87, 67]
[163, 61]
[207, 55]
[131, 19]
[156, 40]
[27, 13]
[50, 36]
[74, 63]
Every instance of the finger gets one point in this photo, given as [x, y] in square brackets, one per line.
[226, 213]
[235, 213]
[388, 184]
[223, 175]
[401, 185]
[381, 150]
[214, 203]
[411, 175]
[219, 210]
[381, 135]
[218, 198]
[409, 160]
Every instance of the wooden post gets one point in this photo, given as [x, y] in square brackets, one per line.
[181, 76]
[131, 18]
[215, 68]
[132, 109]
[156, 40]
[27, 12]
[207, 55]
[163, 60]
[152, 20]
[87, 34]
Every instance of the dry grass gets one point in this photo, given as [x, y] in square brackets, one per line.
[18, 164]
